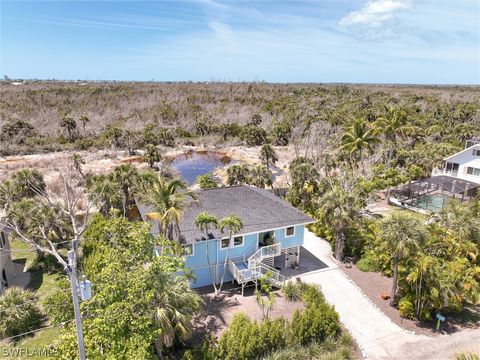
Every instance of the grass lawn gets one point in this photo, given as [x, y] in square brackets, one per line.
[396, 210]
[42, 284]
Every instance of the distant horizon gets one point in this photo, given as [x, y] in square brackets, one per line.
[278, 41]
[386, 84]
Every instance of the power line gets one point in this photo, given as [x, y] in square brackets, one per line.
[36, 330]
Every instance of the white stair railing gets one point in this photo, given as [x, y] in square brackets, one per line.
[265, 252]
[274, 275]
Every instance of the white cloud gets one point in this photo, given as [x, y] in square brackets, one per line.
[222, 31]
[375, 13]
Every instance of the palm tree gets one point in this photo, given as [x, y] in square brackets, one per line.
[126, 177]
[359, 139]
[69, 124]
[151, 155]
[268, 155]
[393, 125]
[28, 183]
[205, 221]
[260, 177]
[403, 234]
[169, 199]
[233, 224]
[338, 208]
[237, 174]
[175, 303]
[104, 192]
[84, 120]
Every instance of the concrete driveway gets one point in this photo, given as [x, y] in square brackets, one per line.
[377, 336]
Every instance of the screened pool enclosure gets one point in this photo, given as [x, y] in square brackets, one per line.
[434, 193]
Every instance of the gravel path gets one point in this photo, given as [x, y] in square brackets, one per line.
[377, 336]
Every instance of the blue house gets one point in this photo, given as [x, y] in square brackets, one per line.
[272, 234]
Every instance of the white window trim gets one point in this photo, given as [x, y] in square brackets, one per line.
[193, 250]
[294, 231]
[231, 245]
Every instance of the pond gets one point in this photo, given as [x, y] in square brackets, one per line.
[194, 163]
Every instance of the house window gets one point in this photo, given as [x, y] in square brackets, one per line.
[473, 171]
[290, 231]
[225, 243]
[187, 249]
[238, 241]
[476, 152]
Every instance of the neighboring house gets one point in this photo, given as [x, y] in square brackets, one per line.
[272, 235]
[463, 165]
[458, 178]
[6, 265]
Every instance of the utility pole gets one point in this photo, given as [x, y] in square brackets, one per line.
[72, 272]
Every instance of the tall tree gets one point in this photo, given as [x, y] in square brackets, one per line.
[205, 222]
[151, 155]
[394, 125]
[169, 199]
[233, 224]
[358, 140]
[260, 177]
[338, 208]
[151, 303]
[69, 124]
[404, 235]
[268, 155]
[84, 120]
[126, 177]
[237, 174]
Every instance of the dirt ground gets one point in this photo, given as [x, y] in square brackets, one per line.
[103, 161]
[372, 284]
[217, 315]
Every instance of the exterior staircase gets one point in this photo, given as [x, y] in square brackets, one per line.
[257, 265]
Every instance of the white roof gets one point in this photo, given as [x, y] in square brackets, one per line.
[461, 152]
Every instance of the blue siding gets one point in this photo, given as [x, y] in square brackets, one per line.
[198, 261]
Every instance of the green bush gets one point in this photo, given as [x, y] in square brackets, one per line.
[314, 323]
[406, 308]
[292, 291]
[18, 312]
[254, 135]
[58, 305]
[245, 339]
[312, 295]
[206, 181]
[367, 264]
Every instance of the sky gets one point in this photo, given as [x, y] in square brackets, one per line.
[351, 41]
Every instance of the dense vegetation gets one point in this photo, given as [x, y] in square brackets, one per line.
[312, 333]
[51, 116]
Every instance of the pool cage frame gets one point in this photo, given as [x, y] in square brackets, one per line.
[419, 193]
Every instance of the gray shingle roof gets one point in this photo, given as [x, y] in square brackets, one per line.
[259, 210]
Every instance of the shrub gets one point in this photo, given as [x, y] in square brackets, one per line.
[367, 264]
[245, 339]
[254, 135]
[405, 308]
[18, 312]
[316, 322]
[292, 291]
[206, 181]
[58, 305]
[311, 295]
